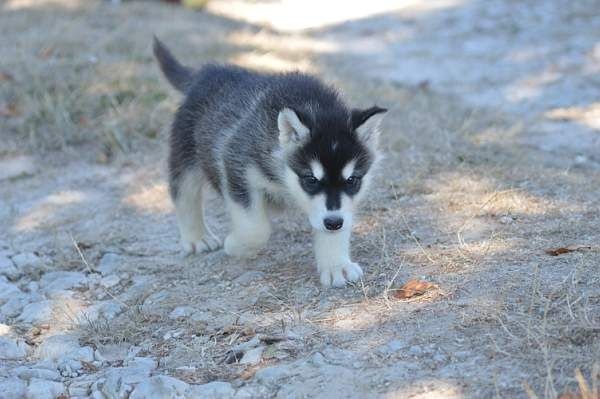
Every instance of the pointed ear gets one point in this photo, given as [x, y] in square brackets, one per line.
[291, 129]
[366, 123]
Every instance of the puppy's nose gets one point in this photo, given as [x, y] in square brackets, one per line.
[333, 223]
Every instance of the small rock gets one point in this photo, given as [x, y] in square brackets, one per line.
[8, 269]
[109, 263]
[43, 389]
[120, 381]
[155, 302]
[106, 310]
[271, 375]
[392, 347]
[26, 373]
[212, 390]
[7, 290]
[181, 311]
[14, 306]
[507, 219]
[249, 277]
[253, 356]
[415, 350]
[59, 346]
[11, 349]
[28, 263]
[11, 388]
[142, 362]
[62, 280]
[110, 281]
[160, 386]
[37, 313]
[17, 166]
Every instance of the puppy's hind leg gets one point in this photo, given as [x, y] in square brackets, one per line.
[189, 208]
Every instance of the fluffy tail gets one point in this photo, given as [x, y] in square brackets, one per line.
[178, 75]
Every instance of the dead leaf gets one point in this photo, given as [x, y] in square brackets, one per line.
[413, 288]
[6, 77]
[9, 110]
[566, 250]
[46, 52]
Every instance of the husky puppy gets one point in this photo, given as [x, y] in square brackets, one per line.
[258, 139]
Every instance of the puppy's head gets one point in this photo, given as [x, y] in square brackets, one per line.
[328, 159]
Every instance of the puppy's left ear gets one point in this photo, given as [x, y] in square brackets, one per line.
[366, 123]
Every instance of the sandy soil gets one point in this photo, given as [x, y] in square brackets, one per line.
[491, 147]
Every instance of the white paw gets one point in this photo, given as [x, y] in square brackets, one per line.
[339, 275]
[207, 244]
[240, 248]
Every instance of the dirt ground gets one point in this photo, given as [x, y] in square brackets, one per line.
[491, 142]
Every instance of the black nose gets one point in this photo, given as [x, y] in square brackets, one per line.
[334, 223]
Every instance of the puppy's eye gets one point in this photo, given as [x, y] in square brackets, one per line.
[353, 184]
[353, 181]
[310, 183]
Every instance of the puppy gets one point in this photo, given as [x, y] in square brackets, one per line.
[261, 139]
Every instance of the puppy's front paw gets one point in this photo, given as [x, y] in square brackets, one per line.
[339, 275]
[240, 248]
[207, 244]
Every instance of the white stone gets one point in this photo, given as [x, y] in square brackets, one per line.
[109, 263]
[14, 306]
[142, 362]
[271, 375]
[253, 356]
[7, 290]
[27, 373]
[8, 269]
[63, 346]
[212, 390]
[12, 349]
[62, 280]
[11, 388]
[120, 380]
[181, 311]
[110, 281]
[37, 313]
[249, 277]
[28, 263]
[160, 386]
[107, 310]
[43, 389]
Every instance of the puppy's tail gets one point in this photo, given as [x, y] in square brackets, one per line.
[178, 75]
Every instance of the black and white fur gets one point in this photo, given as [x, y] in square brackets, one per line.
[259, 139]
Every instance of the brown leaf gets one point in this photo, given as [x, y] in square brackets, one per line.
[9, 110]
[6, 77]
[566, 250]
[46, 52]
[413, 288]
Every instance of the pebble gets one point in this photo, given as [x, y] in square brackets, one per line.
[11, 388]
[181, 311]
[160, 386]
[107, 310]
[119, 381]
[253, 356]
[8, 269]
[62, 280]
[7, 290]
[212, 390]
[271, 375]
[28, 263]
[12, 349]
[27, 373]
[110, 281]
[249, 277]
[58, 346]
[43, 389]
[109, 263]
[392, 347]
[37, 313]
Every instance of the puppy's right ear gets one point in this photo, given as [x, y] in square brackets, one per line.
[291, 129]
